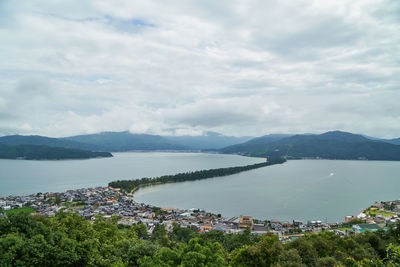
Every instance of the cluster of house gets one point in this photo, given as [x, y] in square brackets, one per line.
[108, 202]
[379, 216]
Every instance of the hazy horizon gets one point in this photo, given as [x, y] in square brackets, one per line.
[205, 133]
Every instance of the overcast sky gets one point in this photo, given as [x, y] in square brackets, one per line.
[184, 67]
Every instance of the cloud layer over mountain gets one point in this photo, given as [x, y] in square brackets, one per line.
[235, 67]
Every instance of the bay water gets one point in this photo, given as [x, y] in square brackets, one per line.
[326, 190]
[21, 177]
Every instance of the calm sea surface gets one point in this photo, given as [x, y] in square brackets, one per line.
[304, 189]
[20, 177]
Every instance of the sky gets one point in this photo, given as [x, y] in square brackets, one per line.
[242, 68]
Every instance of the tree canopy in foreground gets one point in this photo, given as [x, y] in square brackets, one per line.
[70, 240]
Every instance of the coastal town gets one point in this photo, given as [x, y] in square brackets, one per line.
[106, 202]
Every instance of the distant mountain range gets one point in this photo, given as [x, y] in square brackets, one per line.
[253, 144]
[210, 140]
[329, 145]
[39, 152]
[395, 141]
[125, 141]
[46, 141]
[23, 146]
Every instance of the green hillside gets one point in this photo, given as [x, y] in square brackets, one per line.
[253, 144]
[210, 140]
[330, 145]
[125, 141]
[70, 240]
[46, 152]
[45, 141]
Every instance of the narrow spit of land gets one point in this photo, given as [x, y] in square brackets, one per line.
[133, 185]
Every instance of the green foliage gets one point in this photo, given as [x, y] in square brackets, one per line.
[38, 140]
[330, 145]
[126, 141]
[374, 212]
[180, 234]
[140, 230]
[263, 253]
[18, 210]
[70, 240]
[160, 235]
[231, 241]
[46, 152]
[393, 254]
[129, 185]
[133, 251]
[352, 222]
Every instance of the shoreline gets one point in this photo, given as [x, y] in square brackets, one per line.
[130, 195]
[313, 217]
[131, 198]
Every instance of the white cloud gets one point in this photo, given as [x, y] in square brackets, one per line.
[237, 67]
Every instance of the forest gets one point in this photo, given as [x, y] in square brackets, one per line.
[133, 185]
[38, 152]
[69, 240]
[329, 145]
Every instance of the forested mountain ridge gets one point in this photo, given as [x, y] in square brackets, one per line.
[46, 141]
[334, 144]
[330, 145]
[41, 152]
[341, 136]
[395, 141]
[210, 140]
[253, 144]
[125, 141]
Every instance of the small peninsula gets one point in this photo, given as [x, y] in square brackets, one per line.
[133, 185]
